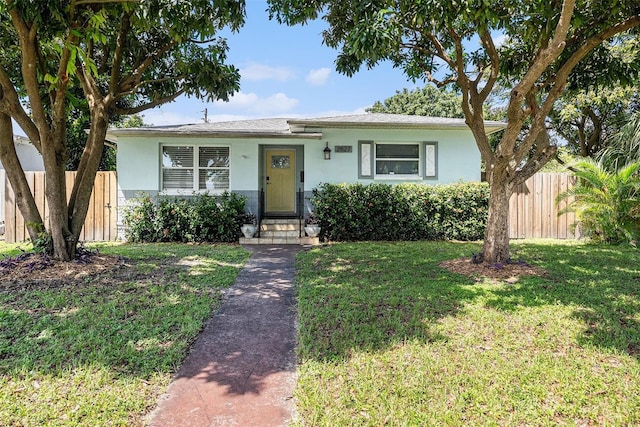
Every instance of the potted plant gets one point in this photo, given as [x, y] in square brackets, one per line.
[312, 225]
[249, 225]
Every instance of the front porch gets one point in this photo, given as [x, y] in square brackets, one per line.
[280, 232]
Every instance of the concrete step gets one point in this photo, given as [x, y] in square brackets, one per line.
[280, 227]
[311, 241]
[280, 233]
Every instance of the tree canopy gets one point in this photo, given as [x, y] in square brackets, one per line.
[598, 103]
[428, 101]
[125, 56]
[452, 42]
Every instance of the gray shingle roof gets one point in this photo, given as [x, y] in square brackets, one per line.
[305, 128]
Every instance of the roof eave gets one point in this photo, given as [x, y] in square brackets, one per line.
[300, 126]
[113, 136]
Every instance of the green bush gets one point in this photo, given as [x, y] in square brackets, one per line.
[606, 203]
[350, 212]
[202, 218]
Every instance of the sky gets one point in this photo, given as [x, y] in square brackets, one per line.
[285, 72]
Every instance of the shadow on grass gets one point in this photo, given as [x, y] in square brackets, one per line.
[600, 283]
[363, 297]
[136, 322]
[371, 297]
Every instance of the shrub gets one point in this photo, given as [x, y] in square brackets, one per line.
[350, 212]
[202, 218]
[606, 203]
[139, 220]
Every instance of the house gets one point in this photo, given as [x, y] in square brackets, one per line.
[277, 162]
[30, 159]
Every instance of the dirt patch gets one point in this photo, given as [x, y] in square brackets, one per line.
[509, 271]
[32, 268]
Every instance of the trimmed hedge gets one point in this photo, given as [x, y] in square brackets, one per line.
[203, 218]
[352, 212]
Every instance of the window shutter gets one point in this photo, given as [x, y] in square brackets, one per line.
[430, 160]
[365, 159]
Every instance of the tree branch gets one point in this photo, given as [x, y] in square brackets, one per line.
[155, 103]
[12, 106]
[134, 78]
[125, 27]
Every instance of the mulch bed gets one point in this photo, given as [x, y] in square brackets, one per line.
[32, 268]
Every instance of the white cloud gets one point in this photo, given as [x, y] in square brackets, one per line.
[161, 117]
[255, 71]
[500, 40]
[334, 113]
[254, 104]
[318, 77]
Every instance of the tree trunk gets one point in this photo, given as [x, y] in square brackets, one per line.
[87, 169]
[496, 236]
[54, 158]
[24, 198]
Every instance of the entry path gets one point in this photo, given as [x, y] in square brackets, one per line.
[241, 369]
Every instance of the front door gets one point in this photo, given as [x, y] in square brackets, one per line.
[281, 181]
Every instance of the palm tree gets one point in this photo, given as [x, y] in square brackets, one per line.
[623, 147]
[606, 203]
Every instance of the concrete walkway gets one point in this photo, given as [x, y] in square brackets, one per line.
[241, 369]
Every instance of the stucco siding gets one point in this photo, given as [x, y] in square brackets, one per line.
[458, 158]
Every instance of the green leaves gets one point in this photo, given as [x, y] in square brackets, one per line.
[428, 101]
[356, 212]
[607, 204]
[204, 218]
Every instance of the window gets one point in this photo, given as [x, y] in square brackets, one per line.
[194, 168]
[397, 160]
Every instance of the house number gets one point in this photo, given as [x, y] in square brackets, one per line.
[343, 148]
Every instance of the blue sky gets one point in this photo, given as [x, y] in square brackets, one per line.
[285, 72]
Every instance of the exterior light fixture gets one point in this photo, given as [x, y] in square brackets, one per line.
[327, 152]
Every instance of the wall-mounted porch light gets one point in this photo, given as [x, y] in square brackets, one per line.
[327, 152]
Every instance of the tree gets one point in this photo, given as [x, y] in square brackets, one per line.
[623, 147]
[606, 203]
[77, 137]
[126, 56]
[428, 101]
[587, 119]
[451, 42]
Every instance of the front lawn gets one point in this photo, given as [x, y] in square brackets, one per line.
[388, 337]
[100, 350]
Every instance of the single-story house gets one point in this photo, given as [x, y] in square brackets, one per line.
[278, 160]
[30, 160]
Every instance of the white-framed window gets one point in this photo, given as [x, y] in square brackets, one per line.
[192, 168]
[401, 160]
[397, 159]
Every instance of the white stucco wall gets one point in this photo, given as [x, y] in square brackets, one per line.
[30, 159]
[458, 158]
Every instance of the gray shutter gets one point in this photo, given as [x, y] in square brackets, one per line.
[430, 160]
[365, 160]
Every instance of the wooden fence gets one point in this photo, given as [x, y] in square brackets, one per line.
[534, 211]
[533, 208]
[101, 221]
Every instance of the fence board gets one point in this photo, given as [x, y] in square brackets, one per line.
[533, 209]
[100, 224]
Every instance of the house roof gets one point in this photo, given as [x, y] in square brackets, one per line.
[390, 121]
[300, 128]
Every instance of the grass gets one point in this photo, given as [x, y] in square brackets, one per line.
[101, 351]
[387, 337]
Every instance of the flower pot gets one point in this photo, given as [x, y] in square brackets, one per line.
[248, 230]
[312, 230]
